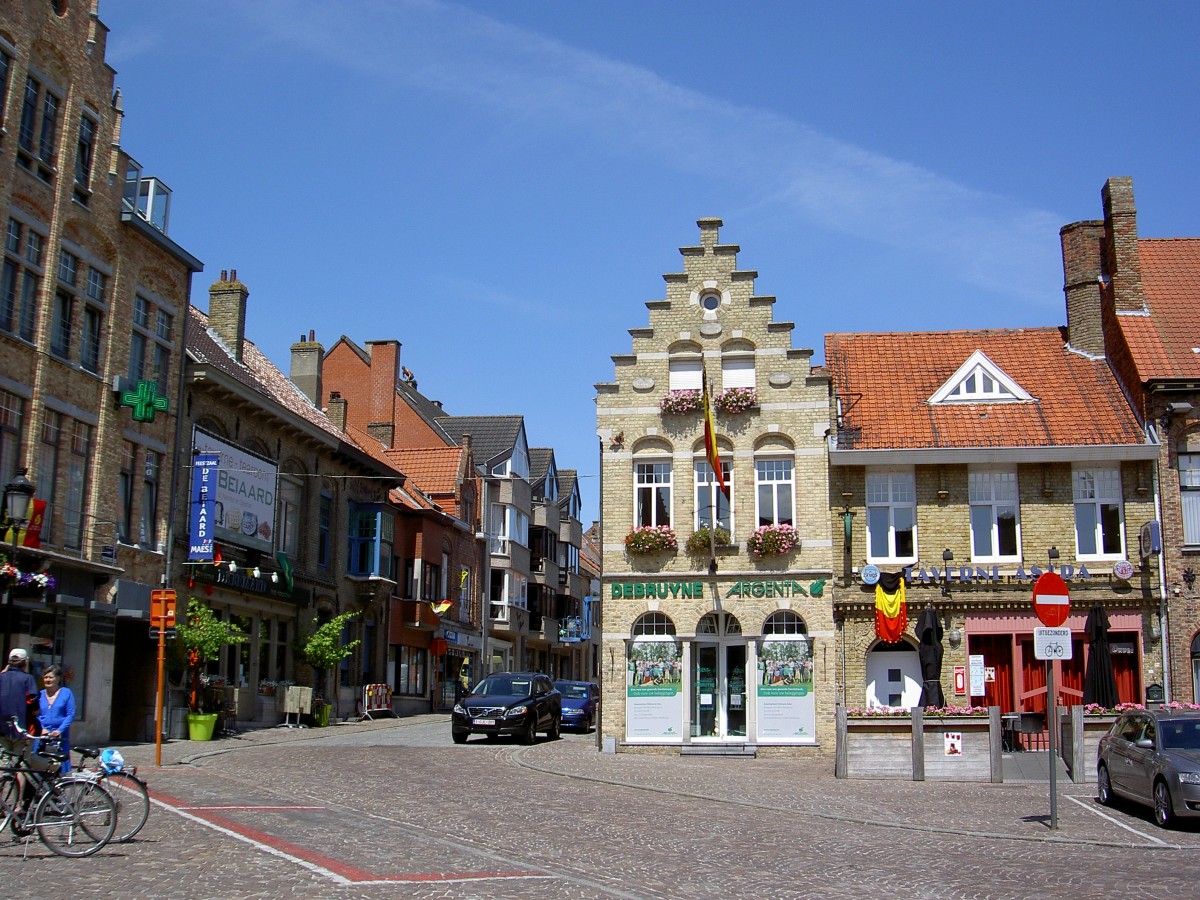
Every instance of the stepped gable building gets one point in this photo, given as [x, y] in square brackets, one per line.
[93, 300]
[1137, 300]
[303, 529]
[718, 629]
[964, 464]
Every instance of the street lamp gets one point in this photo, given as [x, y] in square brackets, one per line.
[15, 509]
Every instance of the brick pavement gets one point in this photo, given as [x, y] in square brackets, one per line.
[394, 800]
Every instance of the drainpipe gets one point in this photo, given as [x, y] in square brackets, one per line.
[1163, 591]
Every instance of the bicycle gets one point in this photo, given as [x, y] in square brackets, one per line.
[71, 815]
[127, 790]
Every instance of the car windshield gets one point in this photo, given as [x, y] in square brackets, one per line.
[503, 685]
[572, 691]
[1180, 734]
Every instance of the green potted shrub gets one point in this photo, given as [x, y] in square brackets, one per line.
[200, 635]
[324, 650]
[698, 544]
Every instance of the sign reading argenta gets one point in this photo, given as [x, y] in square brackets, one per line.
[244, 502]
[787, 710]
[653, 692]
[204, 485]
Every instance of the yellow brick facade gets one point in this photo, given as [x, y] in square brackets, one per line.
[711, 313]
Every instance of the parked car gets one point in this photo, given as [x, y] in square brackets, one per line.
[518, 704]
[580, 703]
[1152, 756]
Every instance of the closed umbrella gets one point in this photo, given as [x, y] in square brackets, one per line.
[929, 631]
[1099, 682]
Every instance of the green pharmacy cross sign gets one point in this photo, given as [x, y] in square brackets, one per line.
[145, 401]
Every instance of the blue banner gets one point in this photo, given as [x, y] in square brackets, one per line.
[204, 486]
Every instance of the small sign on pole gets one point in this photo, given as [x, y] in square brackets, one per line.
[1052, 643]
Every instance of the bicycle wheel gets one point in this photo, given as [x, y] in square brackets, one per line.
[75, 818]
[133, 803]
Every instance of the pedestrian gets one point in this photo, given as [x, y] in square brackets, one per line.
[56, 705]
[16, 687]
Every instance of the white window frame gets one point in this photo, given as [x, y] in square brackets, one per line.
[737, 371]
[894, 480]
[684, 373]
[649, 481]
[788, 484]
[1189, 497]
[1097, 487]
[994, 490]
[708, 495]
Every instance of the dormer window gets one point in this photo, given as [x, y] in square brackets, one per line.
[979, 380]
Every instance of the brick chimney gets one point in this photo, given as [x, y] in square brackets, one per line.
[385, 375]
[336, 411]
[307, 356]
[1083, 283]
[1122, 258]
[227, 311]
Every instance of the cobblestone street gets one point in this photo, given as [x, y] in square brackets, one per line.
[392, 808]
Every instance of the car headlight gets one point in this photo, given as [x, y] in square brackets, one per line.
[517, 711]
[1189, 777]
[458, 708]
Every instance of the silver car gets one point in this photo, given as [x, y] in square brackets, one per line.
[1152, 756]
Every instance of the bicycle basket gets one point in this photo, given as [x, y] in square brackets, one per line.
[111, 760]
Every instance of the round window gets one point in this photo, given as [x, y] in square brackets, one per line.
[710, 301]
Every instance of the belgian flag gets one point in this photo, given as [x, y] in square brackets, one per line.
[891, 610]
[710, 441]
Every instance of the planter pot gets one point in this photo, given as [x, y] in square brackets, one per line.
[320, 716]
[201, 726]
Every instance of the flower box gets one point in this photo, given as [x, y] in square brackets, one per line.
[942, 744]
[699, 542]
[648, 539]
[733, 401]
[772, 540]
[680, 403]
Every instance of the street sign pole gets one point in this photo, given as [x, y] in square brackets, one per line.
[162, 617]
[1052, 706]
[1052, 603]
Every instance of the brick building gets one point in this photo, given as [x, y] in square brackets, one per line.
[1139, 301]
[303, 528]
[968, 463]
[724, 651]
[93, 300]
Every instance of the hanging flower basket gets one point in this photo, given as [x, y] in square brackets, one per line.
[732, 401]
[680, 403]
[698, 543]
[646, 539]
[772, 540]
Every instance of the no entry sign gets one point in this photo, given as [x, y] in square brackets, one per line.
[1051, 601]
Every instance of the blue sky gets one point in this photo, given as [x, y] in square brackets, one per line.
[500, 186]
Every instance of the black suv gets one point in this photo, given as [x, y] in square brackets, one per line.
[509, 703]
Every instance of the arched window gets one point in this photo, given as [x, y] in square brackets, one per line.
[784, 621]
[737, 370]
[893, 676]
[718, 624]
[653, 624]
[683, 373]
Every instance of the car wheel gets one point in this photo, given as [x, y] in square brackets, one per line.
[1164, 812]
[589, 724]
[1103, 786]
[555, 729]
[460, 737]
[529, 735]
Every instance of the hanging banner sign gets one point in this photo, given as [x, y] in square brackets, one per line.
[204, 483]
[653, 692]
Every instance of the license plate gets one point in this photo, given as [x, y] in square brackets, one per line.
[483, 721]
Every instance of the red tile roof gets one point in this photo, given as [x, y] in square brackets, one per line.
[1164, 344]
[886, 380]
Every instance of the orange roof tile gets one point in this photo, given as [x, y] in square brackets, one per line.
[886, 380]
[1166, 343]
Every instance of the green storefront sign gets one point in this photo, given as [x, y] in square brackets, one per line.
[686, 590]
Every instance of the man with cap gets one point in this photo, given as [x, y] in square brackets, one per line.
[16, 685]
